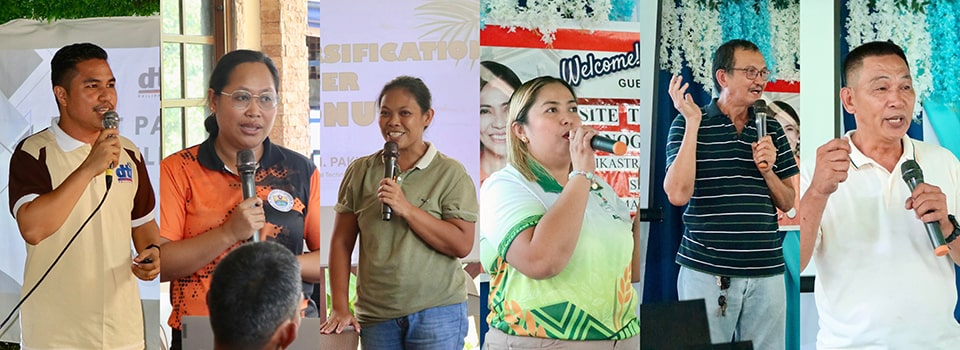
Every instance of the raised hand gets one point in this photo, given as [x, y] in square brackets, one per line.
[683, 101]
[833, 161]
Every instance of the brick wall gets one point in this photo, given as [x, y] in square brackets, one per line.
[283, 30]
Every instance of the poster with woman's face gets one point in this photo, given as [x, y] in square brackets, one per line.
[784, 106]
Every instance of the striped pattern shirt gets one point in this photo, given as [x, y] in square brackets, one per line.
[731, 221]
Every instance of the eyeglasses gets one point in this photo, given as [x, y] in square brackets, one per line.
[752, 73]
[241, 99]
[724, 283]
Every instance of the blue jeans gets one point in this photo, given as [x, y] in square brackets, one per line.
[756, 307]
[436, 328]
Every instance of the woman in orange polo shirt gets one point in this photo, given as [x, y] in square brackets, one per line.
[202, 213]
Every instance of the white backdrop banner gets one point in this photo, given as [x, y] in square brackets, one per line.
[437, 41]
[27, 106]
[359, 57]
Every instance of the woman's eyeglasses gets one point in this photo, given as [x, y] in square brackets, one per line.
[241, 99]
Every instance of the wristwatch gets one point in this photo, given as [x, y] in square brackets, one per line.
[956, 229]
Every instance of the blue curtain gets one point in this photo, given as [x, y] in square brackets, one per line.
[660, 279]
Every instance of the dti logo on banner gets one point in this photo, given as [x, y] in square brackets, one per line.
[149, 82]
[124, 172]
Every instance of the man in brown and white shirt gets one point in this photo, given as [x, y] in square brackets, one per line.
[90, 299]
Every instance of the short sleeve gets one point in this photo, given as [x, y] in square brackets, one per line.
[311, 224]
[144, 201]
[347, 196]
[507, 208]
[786, 165]
[675, 138]
[29, 177]
[460, 200]
[174, 193]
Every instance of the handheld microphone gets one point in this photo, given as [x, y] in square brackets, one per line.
[913, 176]
[247, 166]
[390, 155]
[606, 144]
[110, 121]
[760, 110]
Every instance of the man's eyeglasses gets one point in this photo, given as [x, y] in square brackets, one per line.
[241, 99]
[752, 73]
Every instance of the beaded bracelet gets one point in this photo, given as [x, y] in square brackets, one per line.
[585, 174]
[589, 175]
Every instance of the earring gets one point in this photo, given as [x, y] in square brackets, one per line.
[523, 139]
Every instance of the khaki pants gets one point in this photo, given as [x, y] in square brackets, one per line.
[498, 340]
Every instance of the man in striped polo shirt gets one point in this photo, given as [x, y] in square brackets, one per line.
[732, 182]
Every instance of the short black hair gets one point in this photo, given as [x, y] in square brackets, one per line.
[254, 289]
[63, 66]
[723, 57]
[854, 60]
[221, 77]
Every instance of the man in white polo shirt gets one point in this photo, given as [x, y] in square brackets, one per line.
[90, 298]
[879, 283]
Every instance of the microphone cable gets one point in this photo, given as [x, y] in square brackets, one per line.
[3, 325]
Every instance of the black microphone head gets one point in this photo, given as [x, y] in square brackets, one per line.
[760, 108]
[390, 149]
[246, 161]
[910, 170]
[110, 120]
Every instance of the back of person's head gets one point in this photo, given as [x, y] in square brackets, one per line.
[221, 77]
[491, 70]
[724, 57]
[854, 60]
[254, 297]
[63, 66]
[522, 100]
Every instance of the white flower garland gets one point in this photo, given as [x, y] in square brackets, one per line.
[859, 26]
[691, 32]
[670, 51]
[544, 16]
[784, 37]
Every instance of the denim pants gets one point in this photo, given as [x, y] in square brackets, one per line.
[756, 307]
[436, 328]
